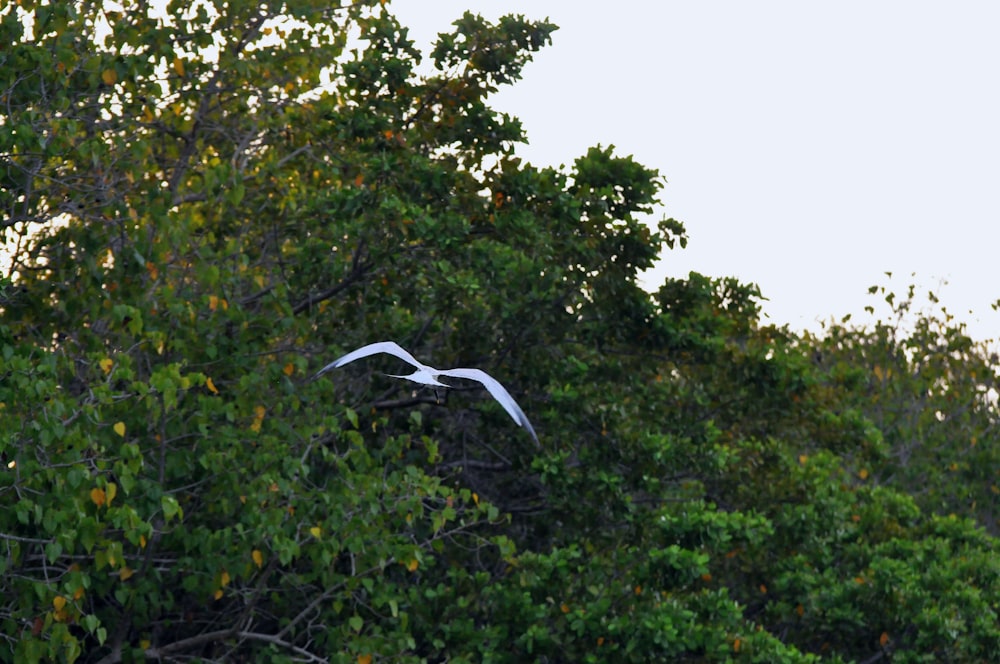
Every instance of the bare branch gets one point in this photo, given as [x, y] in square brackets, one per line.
[359, 268]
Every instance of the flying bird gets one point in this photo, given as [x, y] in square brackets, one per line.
[426, 375]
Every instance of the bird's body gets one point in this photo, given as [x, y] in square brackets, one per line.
[426, 375]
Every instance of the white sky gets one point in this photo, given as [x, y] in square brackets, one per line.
[809, 147]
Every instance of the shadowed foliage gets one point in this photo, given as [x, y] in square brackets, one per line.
[202, 209]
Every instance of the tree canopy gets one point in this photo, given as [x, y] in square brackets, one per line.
[204, 205]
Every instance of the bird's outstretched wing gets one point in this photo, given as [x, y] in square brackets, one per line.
[390, 347]
[497, 391]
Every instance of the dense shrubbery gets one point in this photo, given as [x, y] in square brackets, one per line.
[195, 226]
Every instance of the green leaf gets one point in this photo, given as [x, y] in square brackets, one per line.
[171, 508]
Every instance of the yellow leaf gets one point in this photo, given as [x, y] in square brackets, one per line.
[224, 579]
[289, 369]
[111, 490]
[79, 592]
[179, 66]
[736, 645]
[258, 417]
[884, 639]
[126, 573]
[106, 364]
[803, 458]
[119, 428]
[211, 386]
[97, 496]
[413, 565]
[475, 498]
[863, 473]
[316, 531]
[58, 602]
[364, 659]
[258, 557]
[564, 608]
[218, 594]
[109, 76]
[142, 541]
[213, 302]
[152, 269]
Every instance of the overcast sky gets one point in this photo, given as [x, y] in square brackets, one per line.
[809, 147]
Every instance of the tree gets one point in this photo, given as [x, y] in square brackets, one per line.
[204, 209]
[931, 390]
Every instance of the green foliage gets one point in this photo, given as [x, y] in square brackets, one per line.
[201, 210]
[931, 390]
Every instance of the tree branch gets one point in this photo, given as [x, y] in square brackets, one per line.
[219, 635]
[358, 270]
[403, 403]
[495, 466]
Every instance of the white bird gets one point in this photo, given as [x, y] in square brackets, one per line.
[426, 375]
